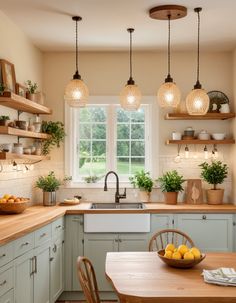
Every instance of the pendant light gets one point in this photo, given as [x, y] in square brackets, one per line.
[168, 94]
[76, 91]
[131, 95]
[197, 101]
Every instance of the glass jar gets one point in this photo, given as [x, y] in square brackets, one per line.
[18, 148]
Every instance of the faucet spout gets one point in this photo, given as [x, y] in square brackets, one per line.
[117, 194]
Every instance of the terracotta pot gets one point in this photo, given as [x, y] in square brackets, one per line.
[171, 197]
[144, 196]
[3, 122]
[215, 196]
[31, 97]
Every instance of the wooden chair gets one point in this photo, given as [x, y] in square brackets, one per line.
[87, 278]
[165, 236]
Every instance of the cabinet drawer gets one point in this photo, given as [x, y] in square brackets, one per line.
[42, 235]
[23, 245]
[57, 227]
[8, 297]
[6, 253]
[6, 280]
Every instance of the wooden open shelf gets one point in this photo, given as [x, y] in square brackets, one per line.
[17, 102]
[12, 156]
[208, 116]
[203, 142]
[5, 130]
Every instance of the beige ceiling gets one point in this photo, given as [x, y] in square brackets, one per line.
[48, 24]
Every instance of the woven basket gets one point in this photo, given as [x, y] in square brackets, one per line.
[14, 207]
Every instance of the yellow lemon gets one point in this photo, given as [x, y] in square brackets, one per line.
[6, 196]
[176, 255]
[188, 256]
[182, 249]
[168, 254]
[196, 252]
[170, 247]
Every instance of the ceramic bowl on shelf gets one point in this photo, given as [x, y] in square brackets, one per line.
[179, 263]
[22, 124]
[203, 135]
[218, 136]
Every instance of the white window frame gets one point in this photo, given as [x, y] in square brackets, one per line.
[70, 153]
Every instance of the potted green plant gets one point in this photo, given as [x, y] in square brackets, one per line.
[67, 180]
[2, 89]
[214, 173]
[144, 182]
[171, 184]
[92, 179]
[31, 92]
[57, 132]
[49, 184]
[3, 120]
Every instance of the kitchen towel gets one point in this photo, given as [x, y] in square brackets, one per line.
[221, 276]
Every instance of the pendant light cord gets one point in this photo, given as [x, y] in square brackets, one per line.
[130, 81]
[76, 47]
[168, 78]
[198, 84]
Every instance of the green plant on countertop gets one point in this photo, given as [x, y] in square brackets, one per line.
[142, 180]
[48, 183]
[4, 118]
[31, 87]
[57, 132]
[2, 88]
[171, 181]
[92, 179]
[214, 173]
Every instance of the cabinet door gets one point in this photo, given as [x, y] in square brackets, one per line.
[210, 232]
[8, 297]
[56, 269]
[24, 278]
[160, 221]
[133, 242]
[41, 275]
[96, 247]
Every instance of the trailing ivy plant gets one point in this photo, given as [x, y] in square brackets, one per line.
[171, 181]
[214, 173]
[142, 180]
[57, 132]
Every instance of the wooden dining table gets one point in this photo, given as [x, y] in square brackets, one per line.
[142, 277]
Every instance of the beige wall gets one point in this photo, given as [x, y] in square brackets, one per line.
[105, 73]
[18, 49]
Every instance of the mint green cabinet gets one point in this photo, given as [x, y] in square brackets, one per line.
[8, 297]
[210, 232]
[161, 221]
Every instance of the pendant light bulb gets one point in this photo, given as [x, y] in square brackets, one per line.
[130, 95]
[197, 101]
[186, 152]
[76, 91]
[168, 94]
[205, 153]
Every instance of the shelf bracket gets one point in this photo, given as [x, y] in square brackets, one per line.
[19, 112]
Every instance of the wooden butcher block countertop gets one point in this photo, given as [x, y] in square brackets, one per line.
[15, 226]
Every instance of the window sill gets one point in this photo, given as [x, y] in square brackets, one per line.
[96, 185]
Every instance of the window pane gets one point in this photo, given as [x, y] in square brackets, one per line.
[137, 164]
[137, 148]
[84, 131]
[99, 131]
[123, 166]
[84, 166]
[84, 149]
[99, 148]
[123, 148]
[84, 114]
[98, 166]
[98, 114]
[123, 131]
[137, 131]
[137, 116]
[122, 116]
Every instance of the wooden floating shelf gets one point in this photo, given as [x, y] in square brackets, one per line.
[20, 103]
[12, 156]
[203, 142]
[5, 130]
[208, 116]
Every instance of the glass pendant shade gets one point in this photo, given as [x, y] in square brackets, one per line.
[130, 97]
[197, 102]
[168, 95]
[76, 93]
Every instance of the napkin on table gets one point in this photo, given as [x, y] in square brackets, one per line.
[221, 276]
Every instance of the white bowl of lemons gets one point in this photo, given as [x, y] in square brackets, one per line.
[181, 256]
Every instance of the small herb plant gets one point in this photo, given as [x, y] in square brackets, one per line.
[142, 180]
[57, 132]
[48, 183]
[31, 87]
[67, 178]
[214, 173]
[171, 182]
[92, 179]
[2, 88]
[4, 118]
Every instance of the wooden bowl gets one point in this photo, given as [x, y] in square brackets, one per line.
[14, 207]
[179, 263]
